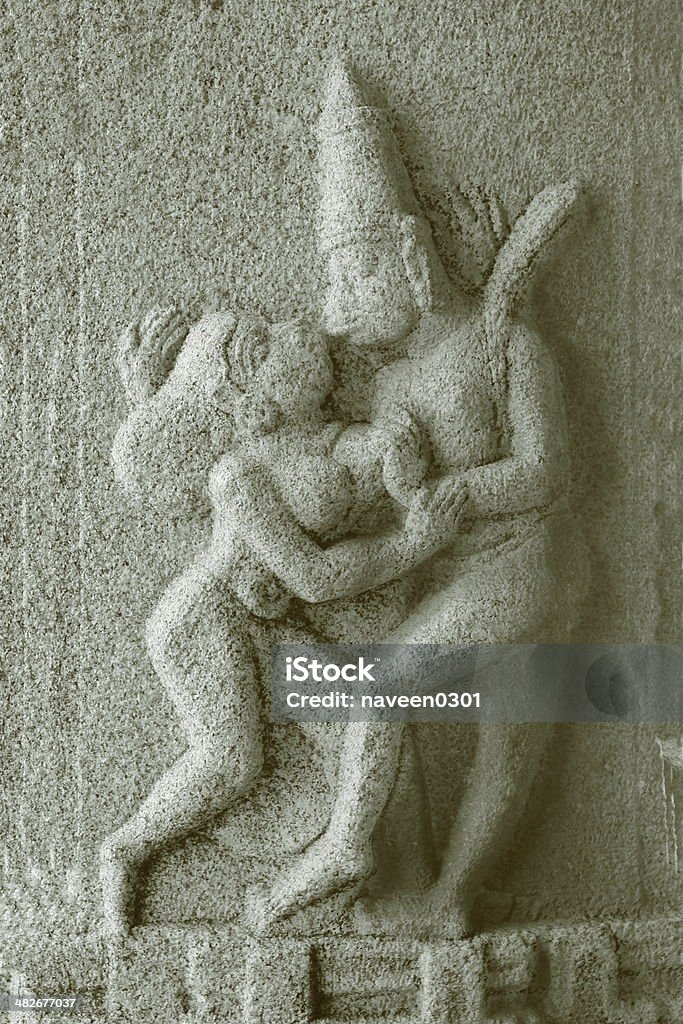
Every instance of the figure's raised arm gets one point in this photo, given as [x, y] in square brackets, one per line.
[175, 430]
[245, 503]
[536, 471]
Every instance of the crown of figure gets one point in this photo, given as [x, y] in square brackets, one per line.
[365, 191]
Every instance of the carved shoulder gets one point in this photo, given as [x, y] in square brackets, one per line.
[524, 345]
[234, 480]
[529, 358]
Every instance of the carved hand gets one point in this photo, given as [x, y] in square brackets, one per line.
[147, 352]
[435, 512]
[403, 447]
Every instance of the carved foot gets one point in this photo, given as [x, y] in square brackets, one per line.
[327, 867]
[419, 916]
[118, 868]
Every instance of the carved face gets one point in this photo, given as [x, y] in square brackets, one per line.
[370, 300]
[297, 373]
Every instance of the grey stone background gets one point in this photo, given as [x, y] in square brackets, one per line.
[164, 153]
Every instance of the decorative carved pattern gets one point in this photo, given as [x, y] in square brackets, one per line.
[469, 227]
[562, 975]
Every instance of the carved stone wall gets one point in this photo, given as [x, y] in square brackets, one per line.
[166, 155]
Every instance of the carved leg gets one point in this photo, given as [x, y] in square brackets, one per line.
[503, 772]
[201, 784]
[503, 600]
[200, 645]
[342, 857]
[404, 842]
[528, 609]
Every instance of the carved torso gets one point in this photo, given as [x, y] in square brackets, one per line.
[330, 488]
[316, 488]
[448, 385]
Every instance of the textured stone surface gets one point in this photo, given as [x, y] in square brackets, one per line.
[154, 156]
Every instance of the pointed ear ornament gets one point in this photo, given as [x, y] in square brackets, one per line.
[412, 232]
[257, 414]
[248, 349]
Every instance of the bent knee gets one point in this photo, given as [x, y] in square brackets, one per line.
[171, 631]
[163, 636]
[240, 767]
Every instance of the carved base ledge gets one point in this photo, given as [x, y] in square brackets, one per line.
[616, 973]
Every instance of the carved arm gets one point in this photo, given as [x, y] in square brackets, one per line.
[247, 504]
[535, 473]
[175, 431]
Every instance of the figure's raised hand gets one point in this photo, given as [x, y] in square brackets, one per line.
[435, 513]
[148, 351]
[402, 444]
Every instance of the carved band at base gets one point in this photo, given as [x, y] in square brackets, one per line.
[571, 974]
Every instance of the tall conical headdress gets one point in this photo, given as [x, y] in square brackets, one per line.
[364, 185]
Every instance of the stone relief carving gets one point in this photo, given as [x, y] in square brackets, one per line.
[397, 472]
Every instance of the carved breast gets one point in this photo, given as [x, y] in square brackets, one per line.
[319, 492]
[450, 390]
